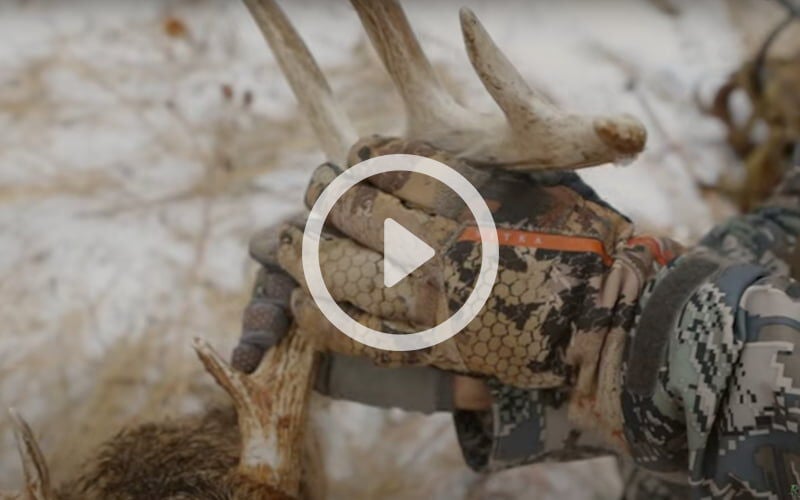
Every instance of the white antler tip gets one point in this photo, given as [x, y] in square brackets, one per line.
[210, 358]
[467, 16]
[199, 344]
[472, 29]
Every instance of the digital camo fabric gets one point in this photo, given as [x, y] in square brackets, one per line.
[524, 426]
[726, 402]
[711, 376]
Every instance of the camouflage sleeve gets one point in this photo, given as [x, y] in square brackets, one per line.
[723, 400]
[767, 236]
[523, 426]
[722, 403]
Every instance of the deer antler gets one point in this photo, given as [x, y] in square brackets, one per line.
[535, 134]
[330, 124]
[431, 112]
[541, 134]
[37, 477]
[271, 406]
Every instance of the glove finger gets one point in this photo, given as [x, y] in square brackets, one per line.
[354, 274]
[419, 190]
[313, 323]
[360, 213]
[264, 243]
[265, 320]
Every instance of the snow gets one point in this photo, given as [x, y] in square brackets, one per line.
[130, 184]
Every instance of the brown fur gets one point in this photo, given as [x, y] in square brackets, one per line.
[181, 459]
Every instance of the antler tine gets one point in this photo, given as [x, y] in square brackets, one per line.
[430, 108]
[520, 103]
[331, 125]
[271, 408]
[545, 136]
[37, 477]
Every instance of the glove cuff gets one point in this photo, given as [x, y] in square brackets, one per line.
[421, 389]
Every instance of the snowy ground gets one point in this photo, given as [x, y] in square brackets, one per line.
[142, 143]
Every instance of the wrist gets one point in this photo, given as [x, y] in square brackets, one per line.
[412, 388]
[470, 393]
[596, 353]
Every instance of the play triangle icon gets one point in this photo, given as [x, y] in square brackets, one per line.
[403, 252]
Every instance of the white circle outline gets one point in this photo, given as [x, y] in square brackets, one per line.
[483, 284]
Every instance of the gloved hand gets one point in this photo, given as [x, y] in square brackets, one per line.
[546, 315]
[569, 279]
[266, 320]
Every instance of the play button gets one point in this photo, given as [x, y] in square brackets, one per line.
[402, 252]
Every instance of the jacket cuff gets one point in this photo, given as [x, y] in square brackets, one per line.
[507, 435]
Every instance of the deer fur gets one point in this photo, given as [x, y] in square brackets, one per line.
[256, 449]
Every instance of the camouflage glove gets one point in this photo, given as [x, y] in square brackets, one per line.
[266, 320]
[549, 311]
